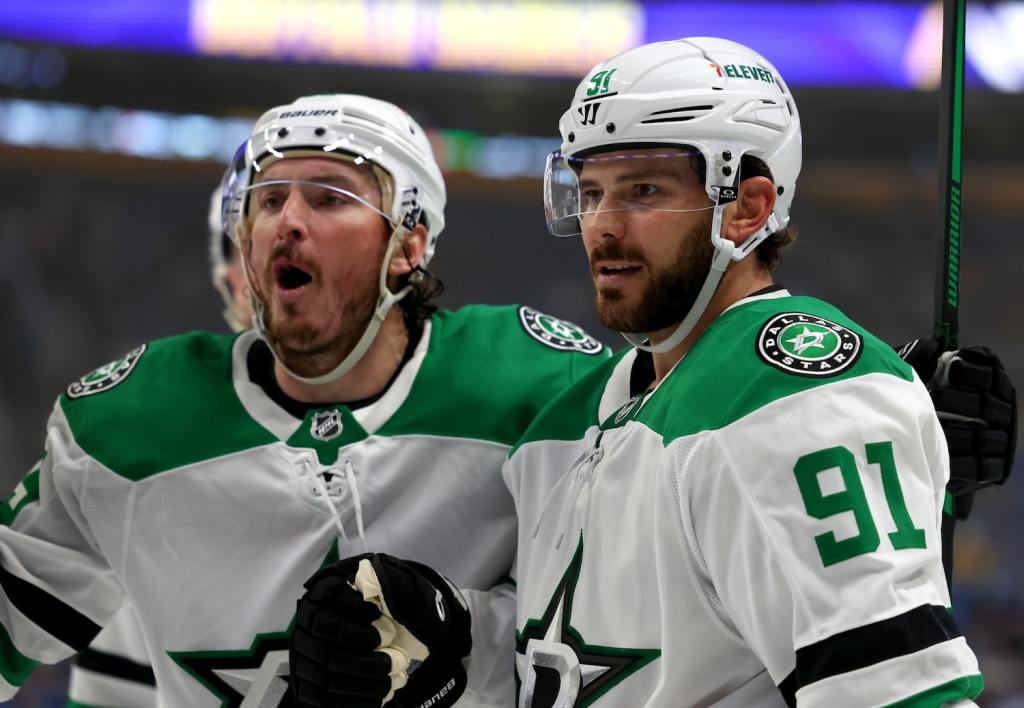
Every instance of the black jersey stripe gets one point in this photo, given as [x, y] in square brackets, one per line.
[53, 616]
[788, 689]
[854, 649]
[117, 666]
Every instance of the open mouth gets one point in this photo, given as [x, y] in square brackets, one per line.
[617, 269]
[290, 277]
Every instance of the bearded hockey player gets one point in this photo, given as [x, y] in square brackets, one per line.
[765, 507]
[204, 478]
[742, 508]
[115, 670]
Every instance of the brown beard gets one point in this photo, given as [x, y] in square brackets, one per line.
[305, 349]
[669, 294]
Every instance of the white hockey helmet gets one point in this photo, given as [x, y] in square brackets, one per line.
[360, 130]
[715, 96]
[352, 127]
[222, 251]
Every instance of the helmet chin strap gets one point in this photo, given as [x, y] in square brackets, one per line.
[385, 301]
[724, 249]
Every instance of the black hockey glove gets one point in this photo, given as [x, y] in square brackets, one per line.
[977, 407]
[374, 630]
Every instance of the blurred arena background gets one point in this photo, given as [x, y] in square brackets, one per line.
[117, 116]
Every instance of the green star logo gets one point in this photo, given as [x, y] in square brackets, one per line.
[256, 677]
[555, 667]
[807, 345]
[107, 376]
[556, 333]
[811, 337]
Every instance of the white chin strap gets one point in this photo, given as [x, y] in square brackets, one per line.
[725, 251]
[385, 302]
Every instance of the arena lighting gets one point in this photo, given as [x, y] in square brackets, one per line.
[192, 137]
[839, 43]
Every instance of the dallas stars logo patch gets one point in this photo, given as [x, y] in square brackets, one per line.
[807, 345]
[555, 667]
[106, 377]
[556, 333]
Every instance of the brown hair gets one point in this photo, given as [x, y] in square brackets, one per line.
[418, 305]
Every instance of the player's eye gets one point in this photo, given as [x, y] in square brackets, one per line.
[328, 200]
[590, 198]
[645, 190]
[269, 200]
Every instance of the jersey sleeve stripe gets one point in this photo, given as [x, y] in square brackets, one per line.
[961, 689]
[50, 614]
[117, 666]
[14, 666]
[854, 649]
[788, 689]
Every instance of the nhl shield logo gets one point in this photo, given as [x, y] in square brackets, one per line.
[556, 333]
[106, 377]
[326, 425]
[807, 345]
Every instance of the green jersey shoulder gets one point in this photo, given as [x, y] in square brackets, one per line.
[171, 400]
[760, 352]
[575, 409]
[483, 372]
[490, 369]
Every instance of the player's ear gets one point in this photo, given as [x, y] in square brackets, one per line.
[409, 252]
[748, 215]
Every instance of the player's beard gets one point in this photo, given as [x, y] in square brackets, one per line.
[313, 349]
[669, 293]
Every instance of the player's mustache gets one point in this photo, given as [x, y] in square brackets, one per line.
[289, 250]
[614, 252]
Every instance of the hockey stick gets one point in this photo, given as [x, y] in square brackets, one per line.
[951, 111]
[947, 277]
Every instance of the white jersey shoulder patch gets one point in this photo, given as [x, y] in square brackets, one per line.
[556, 333]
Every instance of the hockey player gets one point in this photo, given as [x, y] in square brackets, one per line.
[767, 502]
[205, 477]
[743, 508]
[115, 670]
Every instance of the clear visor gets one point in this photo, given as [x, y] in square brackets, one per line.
[255, 188]
[268, 198]
[579, 189]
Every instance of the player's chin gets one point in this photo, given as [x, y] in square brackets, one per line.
[297, 333]
[616, 312]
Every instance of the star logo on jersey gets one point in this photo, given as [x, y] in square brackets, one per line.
[256, 677]
[107, 376]
[807, 345]
[556, 333]
[252, 678]
[555, 667]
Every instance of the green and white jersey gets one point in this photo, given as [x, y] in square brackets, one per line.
[761, 529]
[172, 481]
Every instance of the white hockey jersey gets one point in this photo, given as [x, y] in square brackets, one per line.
[761, 529]
[114, 670]
[172, 480]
